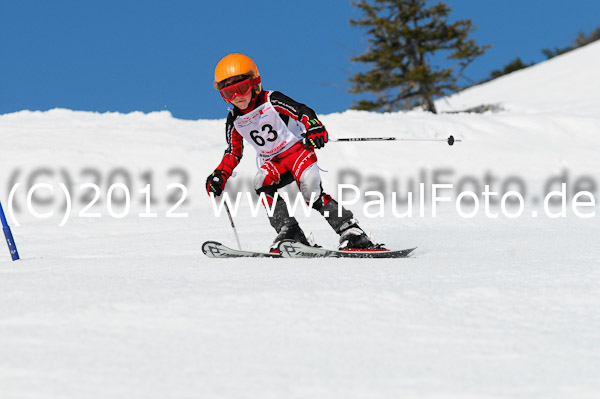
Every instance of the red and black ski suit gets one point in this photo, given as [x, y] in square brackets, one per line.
[274, 126]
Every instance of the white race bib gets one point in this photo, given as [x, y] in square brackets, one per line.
[266, 131]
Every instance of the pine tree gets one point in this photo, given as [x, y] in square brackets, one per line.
[581, 40]
[404, 35]
[511, 67]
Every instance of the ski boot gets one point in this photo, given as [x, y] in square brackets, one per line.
[293, 232]
[352, 237]
[286, 226]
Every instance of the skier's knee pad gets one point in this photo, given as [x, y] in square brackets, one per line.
[271, 179]
[266, 178]
[310, 182]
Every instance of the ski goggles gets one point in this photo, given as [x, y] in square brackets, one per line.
[239, 89]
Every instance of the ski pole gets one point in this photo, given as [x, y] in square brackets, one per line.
[450, 140]
[12, 247]
[233, 226]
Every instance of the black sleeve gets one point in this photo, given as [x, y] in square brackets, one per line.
[286, 106]
[235, 143]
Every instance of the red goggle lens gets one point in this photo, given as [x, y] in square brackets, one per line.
[239, 89]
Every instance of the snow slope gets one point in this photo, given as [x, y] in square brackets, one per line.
[131, 308]
[565, 84]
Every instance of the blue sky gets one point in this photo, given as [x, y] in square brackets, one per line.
[160, 55]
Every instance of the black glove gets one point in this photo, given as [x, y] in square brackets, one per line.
[316, 135]
[215, 183]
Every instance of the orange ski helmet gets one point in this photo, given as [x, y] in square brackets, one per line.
[234, 65]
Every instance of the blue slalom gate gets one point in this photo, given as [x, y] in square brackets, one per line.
[12, 247]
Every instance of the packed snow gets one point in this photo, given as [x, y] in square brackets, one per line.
[129, 307]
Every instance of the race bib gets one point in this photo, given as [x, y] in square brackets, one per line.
[266, 131]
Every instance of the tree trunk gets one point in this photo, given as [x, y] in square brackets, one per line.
[427, 98]
[430, 104]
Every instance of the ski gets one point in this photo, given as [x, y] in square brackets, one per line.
[293, 249]
[214, 249]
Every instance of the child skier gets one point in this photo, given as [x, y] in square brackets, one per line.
[275, 125]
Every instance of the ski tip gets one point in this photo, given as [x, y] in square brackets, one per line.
[208, 246]
[214, 249]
